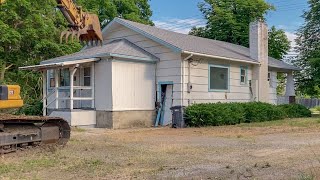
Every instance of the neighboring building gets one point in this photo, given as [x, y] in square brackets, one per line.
[118, 84]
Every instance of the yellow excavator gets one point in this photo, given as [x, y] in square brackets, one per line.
[82, 25]
[24, 131]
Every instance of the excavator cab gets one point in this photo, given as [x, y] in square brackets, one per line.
[10, 97]
[83, 26]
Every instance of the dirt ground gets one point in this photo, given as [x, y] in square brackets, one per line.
[272, 150]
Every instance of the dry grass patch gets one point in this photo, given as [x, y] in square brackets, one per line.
[166, 153]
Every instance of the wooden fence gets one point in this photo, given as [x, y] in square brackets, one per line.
[309, 103]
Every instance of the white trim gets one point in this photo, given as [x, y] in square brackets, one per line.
[56, 81]
[219, 57]
[44, 89]
[58, 65]
[92, 83]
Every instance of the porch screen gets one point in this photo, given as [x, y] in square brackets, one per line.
[64, 77]
[218, 78]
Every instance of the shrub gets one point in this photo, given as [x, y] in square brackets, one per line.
[231, 113]
[215, 114]
[234, 113]
[295, 110]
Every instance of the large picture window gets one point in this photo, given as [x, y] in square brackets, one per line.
[218, 78]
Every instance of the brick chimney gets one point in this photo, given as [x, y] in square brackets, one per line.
[259, 52]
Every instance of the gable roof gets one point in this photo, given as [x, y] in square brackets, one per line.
[118, 48]
[187, 43]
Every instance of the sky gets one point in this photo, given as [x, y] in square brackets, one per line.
[181, 15]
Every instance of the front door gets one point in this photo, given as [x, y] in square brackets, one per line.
[167, 91]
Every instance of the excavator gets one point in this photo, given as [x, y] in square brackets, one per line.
[18, 132]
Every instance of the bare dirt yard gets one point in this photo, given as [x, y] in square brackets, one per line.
[272, 150]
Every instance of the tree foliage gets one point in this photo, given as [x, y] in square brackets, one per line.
[279, 44]
[30, 31]
[308, 42]
[228, 20]
[134, 10]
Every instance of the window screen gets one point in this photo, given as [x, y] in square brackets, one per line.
[219, 78]
[64, 77]
[87, 76]
[243, 75]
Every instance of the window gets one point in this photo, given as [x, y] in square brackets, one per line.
[218, 78]
[87, 76]
[51, 74]
[243, 75]
[64, 77]
[269, 79]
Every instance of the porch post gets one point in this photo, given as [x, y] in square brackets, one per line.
[56, 81]
[44, 92]
[92, 85]
[72, 72]
[290, 91]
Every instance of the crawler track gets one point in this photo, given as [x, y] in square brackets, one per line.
[26, 131]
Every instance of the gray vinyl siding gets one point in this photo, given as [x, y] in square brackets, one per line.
[200, 81]
[168, 68]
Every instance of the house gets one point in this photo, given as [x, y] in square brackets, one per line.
[119, 84]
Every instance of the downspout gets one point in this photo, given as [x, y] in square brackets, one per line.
[183, 69]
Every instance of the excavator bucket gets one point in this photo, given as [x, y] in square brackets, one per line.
[90, 34]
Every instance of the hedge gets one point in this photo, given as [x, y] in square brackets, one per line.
[217, 114]
[295, 110]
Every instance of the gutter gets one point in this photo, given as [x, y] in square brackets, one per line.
[220, 57]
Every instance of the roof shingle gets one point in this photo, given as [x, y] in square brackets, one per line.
[201, 45]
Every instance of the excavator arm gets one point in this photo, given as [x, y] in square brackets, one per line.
[82, 25]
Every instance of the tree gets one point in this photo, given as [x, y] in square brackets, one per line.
[30, 31]
[279, 45]
[308, 41]
[134, 10]
[228, 20]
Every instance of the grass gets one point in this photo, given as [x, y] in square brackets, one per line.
[170, 153]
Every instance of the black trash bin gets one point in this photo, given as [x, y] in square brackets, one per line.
[178, 117]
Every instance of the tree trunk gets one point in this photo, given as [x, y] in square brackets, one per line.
[2, 72]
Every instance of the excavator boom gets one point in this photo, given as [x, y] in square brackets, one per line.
[82, 25]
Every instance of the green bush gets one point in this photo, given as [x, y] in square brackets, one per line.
[295, 110]
[234, 113]
[215, 114]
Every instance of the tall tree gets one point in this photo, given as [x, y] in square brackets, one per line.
[134, 10]
[228, 20]
[279, 45]
[30, 31]
[308, 42]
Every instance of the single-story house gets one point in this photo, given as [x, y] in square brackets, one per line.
[139, 68]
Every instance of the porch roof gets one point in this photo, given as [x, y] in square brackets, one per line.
[58, 64]
[120, 48]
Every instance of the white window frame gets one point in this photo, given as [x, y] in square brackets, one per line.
[245, 68]
[209, 78]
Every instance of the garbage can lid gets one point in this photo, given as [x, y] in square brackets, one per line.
[176, 107]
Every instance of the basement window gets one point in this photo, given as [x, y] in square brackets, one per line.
[218, 78]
